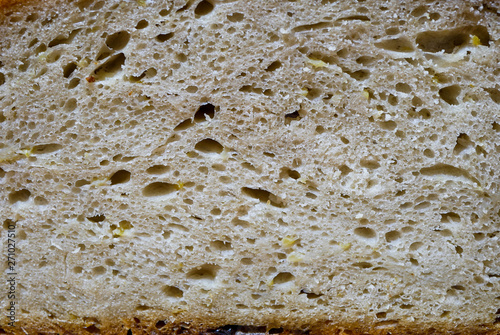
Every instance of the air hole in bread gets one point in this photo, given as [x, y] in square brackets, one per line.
[450, 94]
[388, 125]
[221, 245]
[42, 149]
[402, 87]
[73, 83]
[450, 217]
[158, 169]
[99, 270]
[19, 196]
[97, 218]
[81, 182]
[360, 74]
[287, 172]
[207, 272]
[262, 196]
[369, 164]
[493, 92]
[103, 53]
[449, 172]
[118, 40]
[246, 261]
[283, 278]
[41, 48]
[149, 73]
[309, 294]
[142, 24]
[240, 223]
[164, 12]
[320, 129]
[308, 27]
[164, 37]
[54, 56]
[392, 31]
[157, 189]
[451, 40]
[236, 17]
[40, 201]
[110, 68]
[400, 44]
[345, 170]
[203, 8]
[363, 265]
[69, 69]
[209, 146]
[365, 233]
[120, 177]
[494, 125]
[160, 324]
[61, 39]
[419, 11]
[192, 89]
[464, 144]
[392, 236]
[171, 292]
[186, 124]
[293, 116]
[70, 105]
[354, 18]
[274, 66]
[93, 329]
[204, 113]
[429, 153]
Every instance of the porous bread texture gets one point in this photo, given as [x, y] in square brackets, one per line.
[297, 165]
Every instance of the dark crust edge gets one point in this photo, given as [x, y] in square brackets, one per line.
[154, 324]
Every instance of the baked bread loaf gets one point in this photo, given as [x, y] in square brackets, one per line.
[258, 166]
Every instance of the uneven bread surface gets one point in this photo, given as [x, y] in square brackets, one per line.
[322, 167]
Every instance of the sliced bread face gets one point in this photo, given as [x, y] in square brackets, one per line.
[281, 166]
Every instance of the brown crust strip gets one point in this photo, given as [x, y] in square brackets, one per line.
[205, 326]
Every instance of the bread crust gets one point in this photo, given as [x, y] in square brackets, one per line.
[155, 323]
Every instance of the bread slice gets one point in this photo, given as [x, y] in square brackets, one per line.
[316, 167]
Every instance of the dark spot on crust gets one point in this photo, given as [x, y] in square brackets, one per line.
[232, 329]
[160, 324]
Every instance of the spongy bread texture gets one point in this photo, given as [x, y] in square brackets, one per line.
[311, 166]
